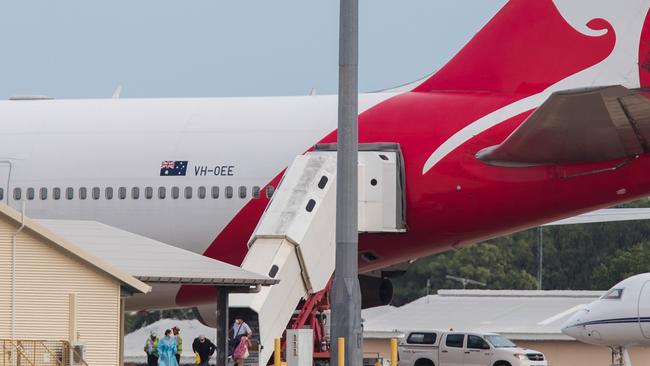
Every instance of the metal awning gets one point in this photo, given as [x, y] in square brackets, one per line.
[150, 260]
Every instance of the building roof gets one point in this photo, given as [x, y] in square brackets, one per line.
[70, 247]
[519, 315]
[152, 261]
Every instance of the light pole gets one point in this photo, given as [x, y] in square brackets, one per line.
[346, 292]
[540, 257]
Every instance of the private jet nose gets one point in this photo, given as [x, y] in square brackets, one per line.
[575, 325]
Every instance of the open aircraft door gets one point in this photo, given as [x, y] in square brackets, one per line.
[644, 309]
[5, 172]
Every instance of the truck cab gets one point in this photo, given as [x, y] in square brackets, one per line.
[449, 348]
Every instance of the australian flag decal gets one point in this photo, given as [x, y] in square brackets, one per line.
[173, 168]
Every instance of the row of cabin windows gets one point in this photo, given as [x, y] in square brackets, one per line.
[122, 193]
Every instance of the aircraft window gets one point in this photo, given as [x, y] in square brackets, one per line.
[188, 192]
[83, 193]
[43, 193]
[69, 193]
[162, 192]
[228, 192]
[242, 192]
[135, 193]
[269, 191]
[256, 192]
[2, 194]
[215, 192]
[175, 192]
[274, 271]
[322, 182]
[108, 193]
[17, 194]
[455, 340]
[56, 193]
[121, 193]
[30, 193]
[614, 294]
[148, 193]
[96, 193]
[201, 192]
[310, 205]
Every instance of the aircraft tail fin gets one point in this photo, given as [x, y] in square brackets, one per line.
[530, 45]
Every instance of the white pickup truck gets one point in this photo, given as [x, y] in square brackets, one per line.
[449, 348]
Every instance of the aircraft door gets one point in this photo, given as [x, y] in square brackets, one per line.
[644, 309]
[5, 171]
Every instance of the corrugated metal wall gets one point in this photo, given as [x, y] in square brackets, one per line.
[45, 278]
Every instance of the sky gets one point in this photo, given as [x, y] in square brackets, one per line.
[203, 48]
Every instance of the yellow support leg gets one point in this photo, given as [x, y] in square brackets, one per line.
[393, 352]
[277, 354]
[341, 351]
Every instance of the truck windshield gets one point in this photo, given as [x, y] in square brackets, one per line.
[499, 342]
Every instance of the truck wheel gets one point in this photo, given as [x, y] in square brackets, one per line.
[502, 363]
[423, 362]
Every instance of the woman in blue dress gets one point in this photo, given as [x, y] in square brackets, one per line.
[167, 350]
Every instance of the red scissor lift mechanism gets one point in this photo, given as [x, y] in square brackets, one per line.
[311, 313]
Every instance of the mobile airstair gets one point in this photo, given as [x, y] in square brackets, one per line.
[295, 238]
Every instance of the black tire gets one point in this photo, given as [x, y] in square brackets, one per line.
[502, 363]
[424, 362]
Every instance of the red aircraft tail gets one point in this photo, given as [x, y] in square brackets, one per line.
[531, 45]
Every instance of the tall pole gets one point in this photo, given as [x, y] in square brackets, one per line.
[346, 293]
[540, 258]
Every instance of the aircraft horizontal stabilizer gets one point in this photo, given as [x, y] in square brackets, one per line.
[576, 127]
[605, 215]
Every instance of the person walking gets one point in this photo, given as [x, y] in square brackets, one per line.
[167, 350]
[239, 329]
[151, 349]
[204, 348]
[179, 343]
[241, 351]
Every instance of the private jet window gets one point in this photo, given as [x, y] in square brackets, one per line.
[56, 192]
[2, 193]
[475, 342]
[228, 192]
[96, 193]
[614, 294]
[83, 193]
[43, 193]
[175, 192]
[17, 194]
[269, 191]
[30, 193]
[162, 192]
[135, 193]
[215, 192]
[455, 340]
[148, 193]
[69, 193]
[188, 192]
[242, 192]
[108, 193]
[256, 192]
[422, 338]
[201, 192]
[121, 193]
